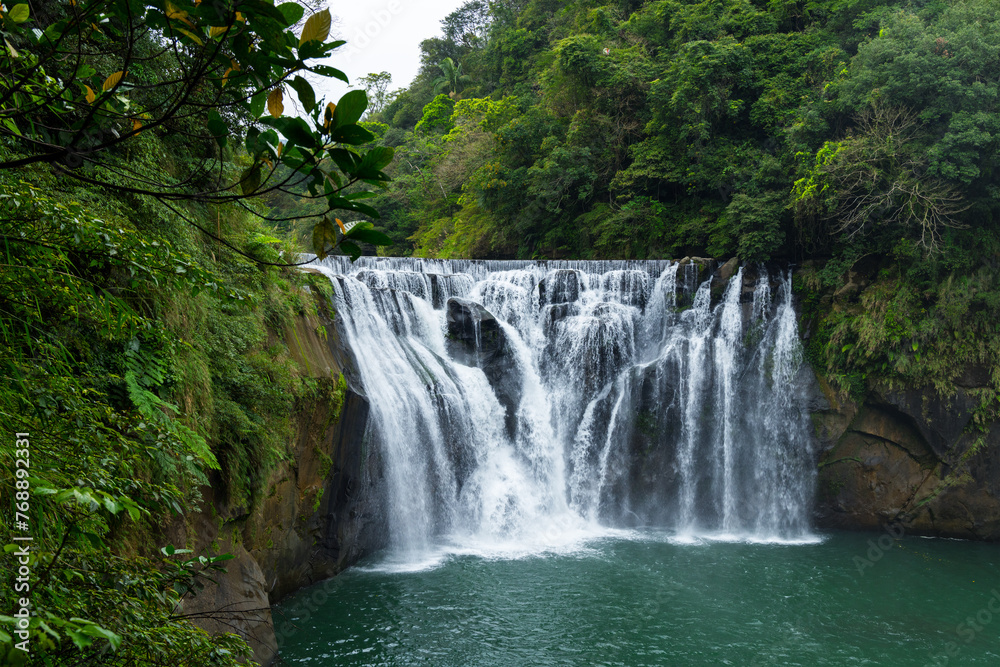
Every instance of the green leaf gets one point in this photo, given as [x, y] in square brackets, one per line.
[81, 640]
[350, 108]
[262, 8]
[351, 249]
[294, 129]
[250, 180]
[218, 128]
[352, 135]
[97, 631]
[378, 158]
[20, 13]
[292, 11]
[327, 71]
[257, 103]
[324, 236]
[366, 234]
[305, 91]
[347, 161]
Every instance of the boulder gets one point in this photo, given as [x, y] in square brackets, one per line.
[475, 338]
[560, 286]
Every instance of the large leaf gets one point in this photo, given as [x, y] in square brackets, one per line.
[250, 180]
[366, 233]
[350, 108]
[275, 104]
[257, 103]
[294, 129]
[351, 249]
[20, 13]
[317, 28]
[354, 135]
[378, 158]
[347, 161]
[324, 236]
[218, 127]
[261, 8]
[292, 11]
[325, 70]
[305, 91]
[112, 81]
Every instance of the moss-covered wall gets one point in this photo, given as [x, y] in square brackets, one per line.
[318, 513]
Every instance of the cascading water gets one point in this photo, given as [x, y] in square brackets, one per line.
[517, 402]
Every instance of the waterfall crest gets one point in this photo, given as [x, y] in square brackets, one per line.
[521, 402]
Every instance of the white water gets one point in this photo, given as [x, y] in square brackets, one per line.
[631, 399]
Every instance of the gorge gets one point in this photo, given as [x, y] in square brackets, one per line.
[621, 433]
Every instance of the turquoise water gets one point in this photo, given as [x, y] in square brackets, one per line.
[645, 599]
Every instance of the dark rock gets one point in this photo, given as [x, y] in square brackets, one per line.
[560, 286]
[941, 421]
[974, 376]
[556, 312]
[475, 338]
[474, 334]
[720, 280]
[905, 459]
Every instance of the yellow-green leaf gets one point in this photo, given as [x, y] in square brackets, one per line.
[215, 31]
[178, 14]
[20, 13]
[10, 48]
[324, 237]
[112, 81]
[275, 107]
[317, 28]
[193, 37]
[90, 95]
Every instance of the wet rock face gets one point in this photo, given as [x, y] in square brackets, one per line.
[475, 338]
[322, 510]
[908, 459]
[474, 334]
[561, 286]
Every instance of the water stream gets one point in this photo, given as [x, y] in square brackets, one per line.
[523, 406]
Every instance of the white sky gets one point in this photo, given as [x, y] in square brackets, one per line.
[382, 35]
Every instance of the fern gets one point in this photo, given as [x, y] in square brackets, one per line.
[145, 369]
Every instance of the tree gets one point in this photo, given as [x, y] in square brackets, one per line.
[82, 80]
[875, 179]
[452, 79]
[468, 25]
[377, 88]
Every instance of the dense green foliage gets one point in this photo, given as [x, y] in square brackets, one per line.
[766, 130]
[82, 78]
[142, 300]
[833, 131]
[134, 352]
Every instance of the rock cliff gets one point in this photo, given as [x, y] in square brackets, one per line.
[911, 458]
[320, 514]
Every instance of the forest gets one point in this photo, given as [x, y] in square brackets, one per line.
[854, 139]
[162, 164]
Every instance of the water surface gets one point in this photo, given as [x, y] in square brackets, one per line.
[642, 598]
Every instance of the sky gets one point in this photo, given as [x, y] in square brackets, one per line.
[382, 35]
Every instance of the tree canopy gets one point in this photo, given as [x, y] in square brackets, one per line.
[82, 79]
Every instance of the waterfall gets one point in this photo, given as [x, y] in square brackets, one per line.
[513, 402]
